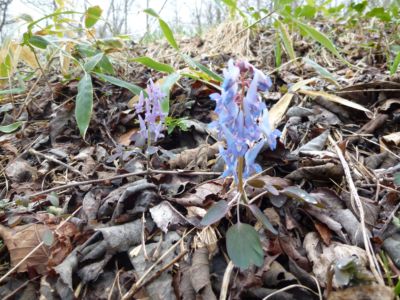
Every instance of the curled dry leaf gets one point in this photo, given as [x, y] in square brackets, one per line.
[323, 257]
[195, 158]
[21, 240]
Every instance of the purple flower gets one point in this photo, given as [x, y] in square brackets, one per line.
[243, 117]
[153, 122]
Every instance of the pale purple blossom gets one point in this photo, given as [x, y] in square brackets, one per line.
[152, 124]
[242, 117]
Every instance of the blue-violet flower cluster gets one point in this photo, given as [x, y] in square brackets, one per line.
[243, 118]
[154, 118]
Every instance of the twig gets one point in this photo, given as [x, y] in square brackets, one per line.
[37, 247]
[138, 283]
[72, 169]
[290, 287]
[225, 281]
[165, 267]
[150, 171]
[353, 190]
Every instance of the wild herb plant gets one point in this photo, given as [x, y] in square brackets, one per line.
[243, 124]
[153, 123]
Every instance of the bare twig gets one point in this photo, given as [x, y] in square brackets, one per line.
[353, 190]
[139, 173]
[140, 281]
[72, 169]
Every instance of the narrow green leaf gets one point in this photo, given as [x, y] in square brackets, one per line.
[155, 65]
[166, 86]
[215, 213]
[261, 217]
[92, 15]
[297, 193]
[92, 62]
[168, 34]
[11, 127]
[320, 70]
[38, 41]
[151, 12]
[397, 288]
[244, 246]
[395, 65]
[194, 64]
[319, 37]
[164, 28]
[396, 180]
[121, 83]
[286, 39]
[278, 52]
[84, 104]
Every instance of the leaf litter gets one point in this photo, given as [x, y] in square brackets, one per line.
[325, 219]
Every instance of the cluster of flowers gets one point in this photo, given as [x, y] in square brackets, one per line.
[154, 118]
[243, 118]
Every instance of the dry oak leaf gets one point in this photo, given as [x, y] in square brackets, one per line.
[21, 240]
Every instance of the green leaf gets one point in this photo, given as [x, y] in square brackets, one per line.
[278, 52]
[106, 66]
[395, 64]
[53, 198]
[164, 28]
[48, 237]
[151, 12]
[38, 41]
[121, 83]
[92, 62]
[287, 41]
[262, 218]
[306, 11]
[320, 70]
[297, 193]
[168, 34]
[380, 13]
[319, 37]
[11, 127]
[244, 246]
[84, 104]
[166, 86]
[215, 213]
[92, 15]
[155, 65]
[397, 288]
[194, 64]
[396, 180]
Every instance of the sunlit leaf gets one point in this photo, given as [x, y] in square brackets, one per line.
[155, 65]
[244, 246]
[92, 15]
[164, 28]
[215, 213]
[10, 128]
[84, 104]
[194, 64]
[286, 39]
[262, 218]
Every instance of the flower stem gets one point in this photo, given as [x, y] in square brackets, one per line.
[240, 187]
